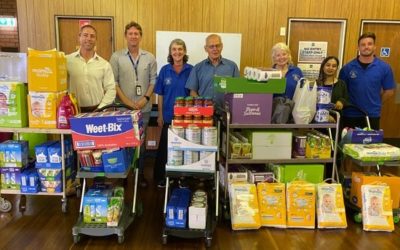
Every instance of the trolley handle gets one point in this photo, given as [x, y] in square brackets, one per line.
[356, 107]
[114, 106]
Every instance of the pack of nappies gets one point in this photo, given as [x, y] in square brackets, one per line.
[272, 204]
[377, 208]
[300, 198]
[244, 206]
[330, 206]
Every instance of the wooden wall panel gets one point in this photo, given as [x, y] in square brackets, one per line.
[212, 9]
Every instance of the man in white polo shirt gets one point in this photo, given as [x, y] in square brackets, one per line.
[90, 77]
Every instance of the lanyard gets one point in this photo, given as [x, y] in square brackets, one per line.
[135, 65]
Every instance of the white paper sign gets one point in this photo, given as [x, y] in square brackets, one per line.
[312, 52]
[310, 70]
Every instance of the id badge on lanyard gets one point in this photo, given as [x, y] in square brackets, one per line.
[138, 88]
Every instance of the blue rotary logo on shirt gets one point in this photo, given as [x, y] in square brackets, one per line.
[353, 74]
[168, 81]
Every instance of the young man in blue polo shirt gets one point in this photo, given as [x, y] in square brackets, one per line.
[370, 83]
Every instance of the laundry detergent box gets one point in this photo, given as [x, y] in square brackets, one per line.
[10, 178]
[272, 204]
[42, 154]
[42, 108]
[13, 67]
[14, 153]
[13, 104]
[47, 71]
[104, 130]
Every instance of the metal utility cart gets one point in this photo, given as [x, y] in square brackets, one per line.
[129, 211]
[212, 211]
[224, 122]
[62, 133]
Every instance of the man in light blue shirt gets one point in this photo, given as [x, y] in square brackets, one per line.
[201, 82]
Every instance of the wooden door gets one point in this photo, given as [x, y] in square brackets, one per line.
[388, 36]
[68, 30]
[317, 30]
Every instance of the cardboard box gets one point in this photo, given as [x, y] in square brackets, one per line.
[242, 85]
[259, 173]
[47, 71]
[42, 109]
[30, 181]
[177, 208]
[13, 105]
[197, 217]
[205, 165]
[249, 108]
[95, 204]
[358, 179]
[10, 178]
[115, 161]
[105, 130]
[313, 173]
[14, 154]
[42, 154]
[13, 67]
[271, 144]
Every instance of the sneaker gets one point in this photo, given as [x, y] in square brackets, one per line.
[161, 184]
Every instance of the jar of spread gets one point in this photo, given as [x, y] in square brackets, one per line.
[189, 101]
[208, 120]
[208, 102]
[180, 101]
[178, 118]
[188, 119]
[197, 119]
[198, 101]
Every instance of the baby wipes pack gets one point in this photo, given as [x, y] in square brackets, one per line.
[272, 204]
[13, 104]
[300, 198]
[377, 208]
[42, 109]
[330, 206]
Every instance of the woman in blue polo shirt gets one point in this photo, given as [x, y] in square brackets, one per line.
[170, 84]
[282, 60]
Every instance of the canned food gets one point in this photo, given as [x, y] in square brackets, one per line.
[299, 147]
[198, 204]
[190, 157]
[175, 157]
[200, 192]
[209, 136]
[199, 199]
[193, 134]
[179, 131]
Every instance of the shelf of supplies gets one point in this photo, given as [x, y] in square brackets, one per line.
[281, 161]
[12, 191]
[86, 174]
[284, 126]
[177, 174]
[36, 130]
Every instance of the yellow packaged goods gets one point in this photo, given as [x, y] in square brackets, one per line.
[377, 208]
[42, 108]
[330, 206]
[318, 146]
[300, 205]
[272, 204]
[47, 71]
[244, 206]
[358, 179]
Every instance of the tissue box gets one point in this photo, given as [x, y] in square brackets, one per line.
[13, 105]
[47, 71]
[249, 108]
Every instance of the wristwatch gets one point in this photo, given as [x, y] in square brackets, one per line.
[147, 97]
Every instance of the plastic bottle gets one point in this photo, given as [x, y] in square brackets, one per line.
[64, 111]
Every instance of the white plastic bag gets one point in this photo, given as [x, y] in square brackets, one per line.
[305, 101]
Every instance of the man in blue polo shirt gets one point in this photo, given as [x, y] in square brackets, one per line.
[370, 83]
[200, 80]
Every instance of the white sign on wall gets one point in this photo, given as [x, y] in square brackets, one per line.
[195, 42]
[310, 70]
[312, 52]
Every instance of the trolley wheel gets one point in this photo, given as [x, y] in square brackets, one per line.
[64, 205]
[396, 219]
[208, 242]
[22, 203]
[121, 239]
[78, 192]
[164, 239]
[358, 217]
[77, 238]
[5, 205]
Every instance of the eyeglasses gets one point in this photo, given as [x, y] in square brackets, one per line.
[215, 46]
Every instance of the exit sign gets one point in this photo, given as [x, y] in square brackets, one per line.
[8, 22]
